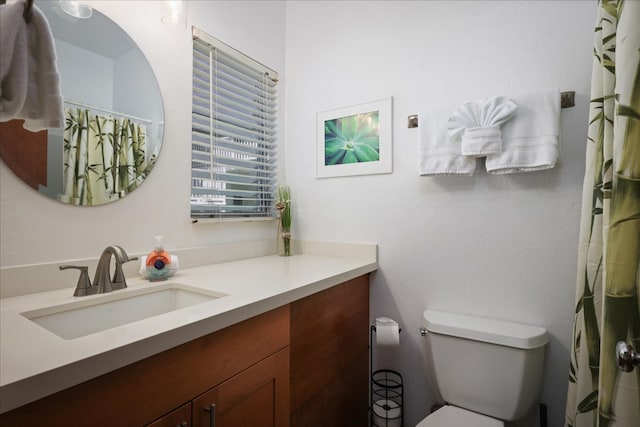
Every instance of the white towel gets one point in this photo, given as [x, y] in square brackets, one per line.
[530, 141]
[479, 124]
[438, 154]
[13, 60]
[30, 87]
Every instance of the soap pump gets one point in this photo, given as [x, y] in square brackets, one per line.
[158, 262]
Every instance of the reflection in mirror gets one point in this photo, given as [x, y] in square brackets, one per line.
[113, 111]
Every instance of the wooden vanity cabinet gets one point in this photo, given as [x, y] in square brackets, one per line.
[304, 364]
[147, 390]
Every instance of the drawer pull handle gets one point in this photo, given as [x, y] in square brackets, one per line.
[211, 409]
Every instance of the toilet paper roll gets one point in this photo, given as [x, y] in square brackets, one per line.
[387, 332]
[387, 413]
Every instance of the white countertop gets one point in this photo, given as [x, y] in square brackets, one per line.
[35, 362]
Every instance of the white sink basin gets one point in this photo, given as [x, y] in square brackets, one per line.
[98, 313]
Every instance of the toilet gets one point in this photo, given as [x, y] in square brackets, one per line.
[485, 371]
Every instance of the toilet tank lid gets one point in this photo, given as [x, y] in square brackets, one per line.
[509, 334]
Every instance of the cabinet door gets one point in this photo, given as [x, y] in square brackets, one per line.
[181, 417]
[256, 397]
[330, 357]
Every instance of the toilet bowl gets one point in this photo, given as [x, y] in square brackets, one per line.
[485, 371]
[451, 416]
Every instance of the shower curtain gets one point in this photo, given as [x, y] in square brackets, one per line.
[608, 284]
[104, 157]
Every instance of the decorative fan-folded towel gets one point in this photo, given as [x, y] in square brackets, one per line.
[478, 124]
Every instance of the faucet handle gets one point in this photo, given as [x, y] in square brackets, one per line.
[84, 283]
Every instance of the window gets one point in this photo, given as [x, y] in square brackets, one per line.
[233, 146]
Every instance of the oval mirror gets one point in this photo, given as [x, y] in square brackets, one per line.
[113, 112]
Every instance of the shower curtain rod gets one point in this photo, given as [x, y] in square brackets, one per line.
[93, 107]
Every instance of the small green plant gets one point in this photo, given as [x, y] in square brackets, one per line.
[283, 205]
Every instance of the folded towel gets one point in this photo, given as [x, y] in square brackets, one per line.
[13, 60]
[530, 141]
[479, 124]
[438, 153]
[30, 79]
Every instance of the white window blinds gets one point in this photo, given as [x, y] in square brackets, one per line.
[233, 144]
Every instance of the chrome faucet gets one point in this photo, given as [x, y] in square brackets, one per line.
[103, 279]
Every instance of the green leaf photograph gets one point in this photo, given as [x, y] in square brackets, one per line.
[355, 140]
[352, 139]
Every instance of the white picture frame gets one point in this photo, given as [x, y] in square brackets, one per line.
[355, 140]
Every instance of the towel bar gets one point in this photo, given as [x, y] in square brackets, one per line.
[567, 100]
[28, 12]
[27, 9]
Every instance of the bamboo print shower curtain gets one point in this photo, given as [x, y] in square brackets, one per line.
[104, 157]
[608, 285]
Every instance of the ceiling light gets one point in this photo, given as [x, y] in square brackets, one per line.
[76, 9]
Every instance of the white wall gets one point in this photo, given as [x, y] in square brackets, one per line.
[35, 229]
[134, 92]
[500, 246]
[80, 69]
[497, 246]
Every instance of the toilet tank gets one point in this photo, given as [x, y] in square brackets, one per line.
[487, 366]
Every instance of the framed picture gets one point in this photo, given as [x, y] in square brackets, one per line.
[355, 140]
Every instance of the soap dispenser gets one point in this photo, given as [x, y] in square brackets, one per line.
[158, 262]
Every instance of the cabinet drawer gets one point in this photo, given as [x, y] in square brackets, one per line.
[180, 417]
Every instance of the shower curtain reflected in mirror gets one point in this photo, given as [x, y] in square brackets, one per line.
[104, 157]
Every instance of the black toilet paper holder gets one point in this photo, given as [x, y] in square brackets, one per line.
[386, 405]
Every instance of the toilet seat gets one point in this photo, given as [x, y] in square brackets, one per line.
[452, 416]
